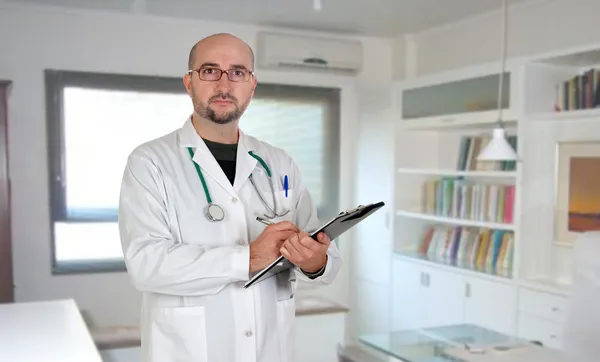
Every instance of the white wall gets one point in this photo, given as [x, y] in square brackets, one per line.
[34, 38]
[537, 27]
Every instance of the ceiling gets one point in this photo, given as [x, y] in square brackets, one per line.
[364, 17]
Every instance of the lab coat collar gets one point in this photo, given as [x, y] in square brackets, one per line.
[245, 163]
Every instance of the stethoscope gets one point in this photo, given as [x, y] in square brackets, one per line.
[215, 213]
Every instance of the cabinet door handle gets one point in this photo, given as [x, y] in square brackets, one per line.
[468, 290]
[422, 279]
[427, 279]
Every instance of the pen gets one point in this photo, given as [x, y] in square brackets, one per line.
[263, 220]
[285, 185]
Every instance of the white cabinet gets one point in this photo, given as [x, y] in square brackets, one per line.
[542, 316]
[425, 296]
[444, 297]
[491, 305]
[539, 329]
[409, 295]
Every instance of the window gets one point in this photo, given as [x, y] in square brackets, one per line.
[95, 120]
[304, 121]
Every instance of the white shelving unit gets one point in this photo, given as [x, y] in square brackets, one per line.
[523, 292]
[456, 173]
[454, 221]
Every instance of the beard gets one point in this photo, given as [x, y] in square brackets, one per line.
[220, 117]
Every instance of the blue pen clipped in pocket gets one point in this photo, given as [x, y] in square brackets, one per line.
[285, 185]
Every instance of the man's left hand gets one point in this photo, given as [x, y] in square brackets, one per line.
[308, 254]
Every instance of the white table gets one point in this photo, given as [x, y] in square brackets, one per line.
[49, 331]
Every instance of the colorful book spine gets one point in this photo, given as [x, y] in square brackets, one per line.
[459, 198]
[581, 91]
[481, 249]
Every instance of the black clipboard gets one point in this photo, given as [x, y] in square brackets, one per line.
[334, 228]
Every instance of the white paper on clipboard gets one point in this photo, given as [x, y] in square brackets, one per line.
[334, 228]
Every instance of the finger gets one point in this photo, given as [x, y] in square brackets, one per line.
[289, 252]
[303, 251]
[286, 254]
[323, 238]
[283, 226]
[284, 235]
[292, 244]
[311, 244]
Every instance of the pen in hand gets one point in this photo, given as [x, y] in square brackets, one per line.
[264, 221]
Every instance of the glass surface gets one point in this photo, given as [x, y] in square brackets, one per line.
[428, 344]
[470, 95]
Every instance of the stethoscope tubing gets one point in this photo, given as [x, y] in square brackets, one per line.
[213, 216]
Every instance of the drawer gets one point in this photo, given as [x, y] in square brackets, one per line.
[537, 329]
[543, 305]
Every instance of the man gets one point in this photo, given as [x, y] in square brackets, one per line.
[188, 223]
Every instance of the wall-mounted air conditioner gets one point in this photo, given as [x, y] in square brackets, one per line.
[289, 51]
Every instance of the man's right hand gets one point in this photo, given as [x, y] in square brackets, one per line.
[265, 249]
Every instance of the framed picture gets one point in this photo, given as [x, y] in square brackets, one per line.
[578, 190]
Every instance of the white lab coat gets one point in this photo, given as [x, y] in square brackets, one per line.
[191, 271]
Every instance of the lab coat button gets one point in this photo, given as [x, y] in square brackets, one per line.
[234, 200]
[248, 333]
[240, 242]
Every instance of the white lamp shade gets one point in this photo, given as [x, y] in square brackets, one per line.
[498, 149]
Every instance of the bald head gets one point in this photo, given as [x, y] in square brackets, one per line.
[216, 98]
[219, 40]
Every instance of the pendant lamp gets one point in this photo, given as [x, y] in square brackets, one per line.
[498, 149]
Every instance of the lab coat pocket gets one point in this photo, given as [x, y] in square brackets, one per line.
[286, 314]
[285, 284]
[178, 334]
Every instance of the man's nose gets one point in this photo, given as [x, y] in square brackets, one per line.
[223, 83]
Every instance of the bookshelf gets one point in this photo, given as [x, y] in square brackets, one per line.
[456, 221]
[561, 104]
[549, 98]
[465, 229]
[454, 210]
[455, 229]
[458, 173]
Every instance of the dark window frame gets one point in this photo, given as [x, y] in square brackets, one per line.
[57, 80]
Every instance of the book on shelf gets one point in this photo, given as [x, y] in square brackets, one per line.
[581, 91]
[480, 249]
[465, 199]
[471, 146]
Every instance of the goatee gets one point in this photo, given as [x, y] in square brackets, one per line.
[206, 112]
[223, 118]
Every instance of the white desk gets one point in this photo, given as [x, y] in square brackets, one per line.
[52, 331]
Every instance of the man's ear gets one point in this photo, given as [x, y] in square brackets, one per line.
[254, 84]
[187, 82]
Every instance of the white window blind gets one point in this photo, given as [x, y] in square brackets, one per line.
[296, 127]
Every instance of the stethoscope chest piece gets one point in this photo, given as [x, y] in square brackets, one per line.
[214, 212]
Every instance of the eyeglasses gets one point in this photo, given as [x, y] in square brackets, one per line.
[214, 74]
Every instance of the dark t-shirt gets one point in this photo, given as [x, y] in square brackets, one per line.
[225, 154]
